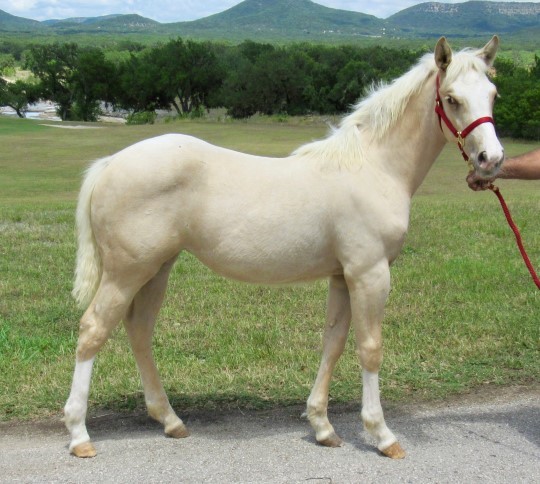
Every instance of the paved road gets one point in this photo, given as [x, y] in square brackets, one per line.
[493, 438]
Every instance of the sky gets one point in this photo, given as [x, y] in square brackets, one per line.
[177, 10]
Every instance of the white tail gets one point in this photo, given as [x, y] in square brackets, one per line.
[88, 269]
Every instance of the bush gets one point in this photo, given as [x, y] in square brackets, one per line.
[143, 117]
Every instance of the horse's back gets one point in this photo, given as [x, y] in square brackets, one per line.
[172, 157]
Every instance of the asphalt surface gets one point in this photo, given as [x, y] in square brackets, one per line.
[491, 437]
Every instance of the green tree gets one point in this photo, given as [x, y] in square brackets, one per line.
[18, 95]
[91, 83]
[75, 79]
[535, 69]
[327, 63]
[280, 79]
[186, 74]
[267, 80]
[54, 65]
[237, 90]
[517, 111]
[7, 64]
[351, 83]
[136, 88]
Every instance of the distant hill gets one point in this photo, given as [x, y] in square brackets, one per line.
[11, 23]
[108, 23]
[466, 19]
[285, 18]
[293, 20]
[79, 20]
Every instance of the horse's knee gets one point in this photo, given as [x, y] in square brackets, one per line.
[370, 354]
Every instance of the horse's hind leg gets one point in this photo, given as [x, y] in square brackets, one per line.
[139, 323]
[335, 335]
[104, 313]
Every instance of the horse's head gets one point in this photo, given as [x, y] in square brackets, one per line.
[465, 101]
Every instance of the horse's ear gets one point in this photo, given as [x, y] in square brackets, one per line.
[489, 51]
[443, 54]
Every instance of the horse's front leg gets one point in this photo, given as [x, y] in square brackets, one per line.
[369, 291]
[338, 321]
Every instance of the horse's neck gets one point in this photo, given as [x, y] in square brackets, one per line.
[411, 147]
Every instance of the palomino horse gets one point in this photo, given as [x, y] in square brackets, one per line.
[336, 208]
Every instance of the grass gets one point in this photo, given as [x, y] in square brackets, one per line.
[463, 311]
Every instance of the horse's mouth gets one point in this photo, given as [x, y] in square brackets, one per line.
[488, 170]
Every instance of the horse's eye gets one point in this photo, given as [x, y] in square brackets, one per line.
[451, 101]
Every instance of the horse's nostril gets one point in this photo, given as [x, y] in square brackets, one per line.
[482, 157]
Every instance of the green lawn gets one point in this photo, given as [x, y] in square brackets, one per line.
[463, 311]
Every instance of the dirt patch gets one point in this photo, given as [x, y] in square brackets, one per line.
[64, 126]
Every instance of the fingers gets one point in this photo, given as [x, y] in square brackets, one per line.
[476, 183]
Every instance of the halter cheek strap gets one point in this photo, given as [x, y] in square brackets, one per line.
[460, 135]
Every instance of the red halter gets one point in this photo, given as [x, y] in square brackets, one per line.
[460, 135]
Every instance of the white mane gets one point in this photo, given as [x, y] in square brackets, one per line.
[379, 111]
[385, 103]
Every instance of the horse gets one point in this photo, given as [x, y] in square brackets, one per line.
[336, 208]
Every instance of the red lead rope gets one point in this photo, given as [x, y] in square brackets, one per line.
[514, 228]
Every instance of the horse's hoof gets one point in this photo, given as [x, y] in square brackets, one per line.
[333, 440]
[84, 450]
[179, 432]
[395, 451]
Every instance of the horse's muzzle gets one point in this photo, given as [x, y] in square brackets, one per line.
[487, 166]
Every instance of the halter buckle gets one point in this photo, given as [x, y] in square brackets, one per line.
[460, 139]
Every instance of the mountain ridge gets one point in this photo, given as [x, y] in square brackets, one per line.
[284, 14]
[305, 19]
[480, 16]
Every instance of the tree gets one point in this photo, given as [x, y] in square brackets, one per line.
[351, 83]
[7, 64]
[91, 82]
[236, 92]
[54, 65]
[136, 89]
[268, 80]
[517, 111]
[281, 78]
[18, 95]
[186, 74]
[75, 79]
[535, 69]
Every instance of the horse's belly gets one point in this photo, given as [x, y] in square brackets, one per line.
[266, 270]
[265, 255]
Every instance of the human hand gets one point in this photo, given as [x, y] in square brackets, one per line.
[477, 183]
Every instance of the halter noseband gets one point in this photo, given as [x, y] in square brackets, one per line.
[460, 135]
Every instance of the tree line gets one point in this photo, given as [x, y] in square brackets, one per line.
[190, 77]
